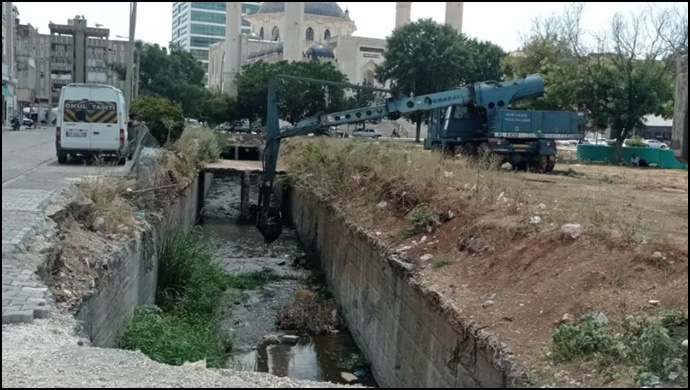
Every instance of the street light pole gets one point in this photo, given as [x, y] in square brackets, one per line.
[130, 54]
[137, 75]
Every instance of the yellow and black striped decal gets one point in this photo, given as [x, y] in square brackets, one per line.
[89, 111]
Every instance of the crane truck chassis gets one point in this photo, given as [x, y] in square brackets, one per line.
[477, 119]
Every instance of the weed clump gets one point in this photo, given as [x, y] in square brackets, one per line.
[185, 327]
[652, 347]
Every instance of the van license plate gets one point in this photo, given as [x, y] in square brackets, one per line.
[76, 134]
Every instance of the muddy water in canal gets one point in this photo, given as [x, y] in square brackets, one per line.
[251, 316]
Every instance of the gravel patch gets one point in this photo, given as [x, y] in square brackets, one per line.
[48, 354]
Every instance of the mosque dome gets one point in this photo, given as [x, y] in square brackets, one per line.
[254, 36]
[319, 51]
[329, 9]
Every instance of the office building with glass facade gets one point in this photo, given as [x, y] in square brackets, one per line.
[198, 25]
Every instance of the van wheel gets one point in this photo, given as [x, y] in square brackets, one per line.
[122, 160]
[62, 158]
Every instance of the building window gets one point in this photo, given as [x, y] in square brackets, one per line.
[211, 17]
[327, 35]
[204, 29]
[203, 42]
[310, 34]
[261, 33]
[275, 35]
[213, 6]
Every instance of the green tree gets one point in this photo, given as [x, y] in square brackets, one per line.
[175, 75]
[219, 109]
[363, 98]
[619, 79]
[296, 100]
[426, 57]
[164, 118]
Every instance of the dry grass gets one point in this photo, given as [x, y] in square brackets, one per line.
[490, 250]
[106, 211]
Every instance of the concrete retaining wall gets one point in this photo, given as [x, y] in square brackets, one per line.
[412, 336]
[133, 273]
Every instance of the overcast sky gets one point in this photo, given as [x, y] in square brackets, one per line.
[500, 23]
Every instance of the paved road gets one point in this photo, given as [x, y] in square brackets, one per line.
[30, 178]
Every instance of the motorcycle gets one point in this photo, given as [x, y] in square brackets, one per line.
[16, 125]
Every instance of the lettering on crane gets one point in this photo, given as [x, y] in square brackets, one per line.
[446, 99]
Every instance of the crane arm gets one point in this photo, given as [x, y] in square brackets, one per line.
[490, 95]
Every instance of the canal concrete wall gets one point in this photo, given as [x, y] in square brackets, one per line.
[409, 333]
[131, 279]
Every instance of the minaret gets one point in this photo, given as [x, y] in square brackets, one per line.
[403, 14]
[293, 31]
[233, 56]
[454, 13]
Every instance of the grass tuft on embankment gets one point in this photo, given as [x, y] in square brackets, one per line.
[649, 348]
[185, 327]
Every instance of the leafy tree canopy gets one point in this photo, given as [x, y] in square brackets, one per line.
[173, 74]
[296, 100]
[618, 77]
[426, 57]
[219, 109]
[164, 118]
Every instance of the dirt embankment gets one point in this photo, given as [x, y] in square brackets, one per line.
[517, 253]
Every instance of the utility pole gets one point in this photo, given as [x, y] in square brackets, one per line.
[137, 75]
[130, 54]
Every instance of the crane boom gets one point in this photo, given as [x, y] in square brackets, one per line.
[490, 95]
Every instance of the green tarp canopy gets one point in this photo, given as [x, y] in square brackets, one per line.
[5, 90]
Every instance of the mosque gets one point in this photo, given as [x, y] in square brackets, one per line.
[303, 31]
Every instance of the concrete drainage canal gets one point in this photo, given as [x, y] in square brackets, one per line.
[280, 317]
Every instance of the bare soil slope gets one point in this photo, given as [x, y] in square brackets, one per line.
[503, 257]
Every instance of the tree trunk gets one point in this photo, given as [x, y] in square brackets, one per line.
[619, 150]
[418, 135]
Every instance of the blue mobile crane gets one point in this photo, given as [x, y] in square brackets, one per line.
[476, 118]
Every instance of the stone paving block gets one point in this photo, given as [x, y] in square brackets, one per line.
[24, 200]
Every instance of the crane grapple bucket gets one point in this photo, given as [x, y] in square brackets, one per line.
[270, 228]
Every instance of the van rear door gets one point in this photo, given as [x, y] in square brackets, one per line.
[104, 118]
[76, 129]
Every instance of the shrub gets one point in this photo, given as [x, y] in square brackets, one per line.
[164, 118]
[652, 346]
[201, 144]
[635, 142]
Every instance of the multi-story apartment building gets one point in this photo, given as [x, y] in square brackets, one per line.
[78, 53]
[10, 16]
[198, 25]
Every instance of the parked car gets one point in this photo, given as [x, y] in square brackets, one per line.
[655, 144]
[26, 121]
[367, 133]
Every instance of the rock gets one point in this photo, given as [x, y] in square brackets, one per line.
[567, 319]
[282, 263]
[572, 230]
[601, 319]
[349, 378]
[97, 224]
[658, 256]
[405, 248]
[542, 206]
[488, 304]
[271, 339]
[654, 302]
[536, 220]
[426, 257]
[290, 340]
[382, 205]
[200, 365]
[447, 174]
[423, 239]
[685, 344]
